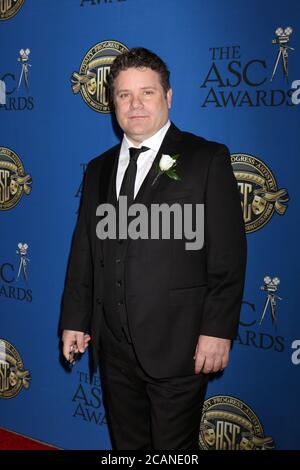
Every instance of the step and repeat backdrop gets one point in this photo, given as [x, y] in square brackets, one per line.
[235, 73]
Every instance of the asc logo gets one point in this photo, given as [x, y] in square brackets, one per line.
[9, 8]
[13, 179]
[13, 377]
[91, 80]
[229, 424]
[260, 196]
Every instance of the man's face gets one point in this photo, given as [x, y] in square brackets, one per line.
[141, 104]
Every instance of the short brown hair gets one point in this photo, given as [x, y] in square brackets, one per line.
[138, 57]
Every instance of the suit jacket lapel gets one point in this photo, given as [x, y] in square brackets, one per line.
[107, 186]
[169, 146]
[107, 177]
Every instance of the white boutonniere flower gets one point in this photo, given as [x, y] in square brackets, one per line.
[166, 166]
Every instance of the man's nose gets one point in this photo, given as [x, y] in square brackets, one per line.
[136, 102]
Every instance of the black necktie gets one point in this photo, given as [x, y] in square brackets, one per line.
[127, 187]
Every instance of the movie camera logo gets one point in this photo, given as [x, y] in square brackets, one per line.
[9, 277]
[260, 196]
[283, 37]
[229, 74]
[22, 252]
[13, 377]
[268, 315]
[91, 80]
[282, 40]
[9, 85]
[88, 400]
[230, 424]
[270, 286]
[14, 182]
[9, 8]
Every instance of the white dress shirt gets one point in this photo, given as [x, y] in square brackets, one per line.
[144, 161]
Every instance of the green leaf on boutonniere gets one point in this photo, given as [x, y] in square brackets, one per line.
[172, 174]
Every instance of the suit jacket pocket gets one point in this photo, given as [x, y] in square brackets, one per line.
[188, 295]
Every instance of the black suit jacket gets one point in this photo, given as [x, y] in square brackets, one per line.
[172, 295]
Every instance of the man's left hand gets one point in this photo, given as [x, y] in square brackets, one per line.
[212, 354]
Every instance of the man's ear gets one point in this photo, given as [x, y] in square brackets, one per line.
[169, 97]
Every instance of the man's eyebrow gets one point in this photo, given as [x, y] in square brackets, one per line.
[142, 88]
[126, 90]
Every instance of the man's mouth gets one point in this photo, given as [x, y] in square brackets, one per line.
[137, 117]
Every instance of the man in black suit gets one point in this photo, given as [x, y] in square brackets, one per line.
[161, 316]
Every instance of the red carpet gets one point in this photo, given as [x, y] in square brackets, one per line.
[12, 441]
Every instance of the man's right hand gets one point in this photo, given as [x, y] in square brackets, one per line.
[74, 342]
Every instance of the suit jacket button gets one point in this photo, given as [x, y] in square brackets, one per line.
[99, 301]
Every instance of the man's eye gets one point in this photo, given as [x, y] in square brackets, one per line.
[123, 95]
[148, 92]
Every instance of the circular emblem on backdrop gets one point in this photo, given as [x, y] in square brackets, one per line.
[260, 195]
[13, 377]
[9, 8]
[13, 179]
[91, 80]
[229, 424]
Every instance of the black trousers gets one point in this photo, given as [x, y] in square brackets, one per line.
[143, 412]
